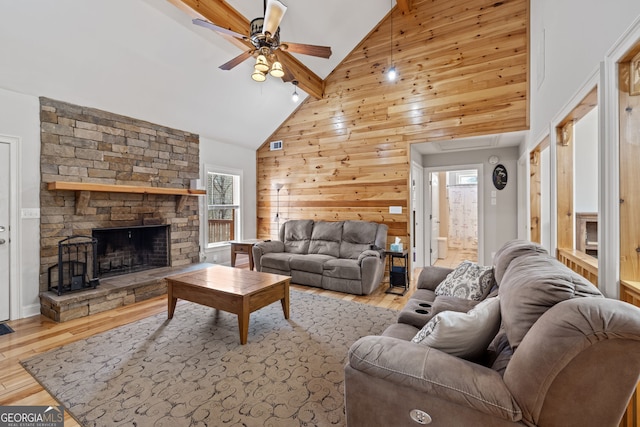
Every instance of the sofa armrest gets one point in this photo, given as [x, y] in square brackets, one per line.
[430, 277]
[262, 248]
[433, 372]
[368, 253]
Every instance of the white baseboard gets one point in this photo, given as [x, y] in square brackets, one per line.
[30, 310]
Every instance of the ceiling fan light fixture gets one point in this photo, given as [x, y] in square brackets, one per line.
[259, 76]
[276, 70]
[272, 16]
[261, 64]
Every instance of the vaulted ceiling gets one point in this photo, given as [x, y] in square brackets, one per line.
[145, 59]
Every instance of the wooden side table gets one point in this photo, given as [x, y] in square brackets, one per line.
[244, 247]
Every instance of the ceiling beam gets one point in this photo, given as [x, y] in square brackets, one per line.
[404, 5]
[222, 14]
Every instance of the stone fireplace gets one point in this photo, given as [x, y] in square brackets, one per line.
[110, 173]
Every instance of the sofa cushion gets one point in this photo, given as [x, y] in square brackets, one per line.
[325, 238]
[512, 250]
[312, 263]
[276, 261]
[468, 280]
[500, 352]
[296, 235]
[342, 268]
[465, 335]
[533, 284]
[357, 236]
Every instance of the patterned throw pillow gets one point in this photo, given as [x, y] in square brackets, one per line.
[465, 335]
[468, 281]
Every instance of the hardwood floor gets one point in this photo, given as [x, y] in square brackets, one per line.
[455, 256]
[38, 334]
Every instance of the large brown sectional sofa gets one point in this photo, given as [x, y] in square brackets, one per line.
[344, 256]
[557, 354]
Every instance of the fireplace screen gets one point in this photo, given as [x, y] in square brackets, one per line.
[76, 267]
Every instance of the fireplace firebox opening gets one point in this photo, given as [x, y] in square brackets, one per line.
[124, 250]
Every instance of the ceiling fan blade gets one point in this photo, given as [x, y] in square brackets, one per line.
[272, 16]
[307, 49]
[237, 60]
[209, 25]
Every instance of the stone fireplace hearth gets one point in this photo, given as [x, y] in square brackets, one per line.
[101, 170]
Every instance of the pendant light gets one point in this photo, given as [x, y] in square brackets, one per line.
[295, 96]
[392, 73]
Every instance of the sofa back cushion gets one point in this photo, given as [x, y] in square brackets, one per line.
[533, 284]
[325, 238]
[296, 234]
[510, 251]
[357, 236]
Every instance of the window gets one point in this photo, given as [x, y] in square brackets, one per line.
[223, 207]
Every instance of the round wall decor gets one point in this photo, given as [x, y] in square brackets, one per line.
[500, 177]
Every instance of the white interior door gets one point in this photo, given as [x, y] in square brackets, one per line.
[434, 216]
[4, 231]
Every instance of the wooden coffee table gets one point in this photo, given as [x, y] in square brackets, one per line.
[230, 289]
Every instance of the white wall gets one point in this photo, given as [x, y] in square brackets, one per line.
[577, 34]
[216, 153]
[20, 117]
[585, 167]
[545, 198]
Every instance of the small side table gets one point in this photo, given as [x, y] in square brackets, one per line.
[398, 274]
[244, 247]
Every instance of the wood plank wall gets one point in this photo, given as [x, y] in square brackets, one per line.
[564, 186]
[629, 180]
[463, 71]
[629, 114]
[535, 191]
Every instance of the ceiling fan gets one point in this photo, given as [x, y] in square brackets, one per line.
[265, 38]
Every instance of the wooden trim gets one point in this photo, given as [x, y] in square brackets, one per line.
[404, 5]
[564, 186]
[534, 195]
[83, 192]
[588, 103]
[114, 188]
[583, 264]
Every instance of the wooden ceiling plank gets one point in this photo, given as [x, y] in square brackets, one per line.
[404, 5]
[222, 14]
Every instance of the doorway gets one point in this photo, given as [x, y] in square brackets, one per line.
[5, 151]
[453, 216]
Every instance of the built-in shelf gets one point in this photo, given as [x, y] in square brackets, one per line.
[587, 233]
[84, 189]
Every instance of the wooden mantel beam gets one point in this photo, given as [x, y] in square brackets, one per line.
[222, 14]
[404, 5]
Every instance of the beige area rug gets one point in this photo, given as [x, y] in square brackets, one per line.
[192, 370]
